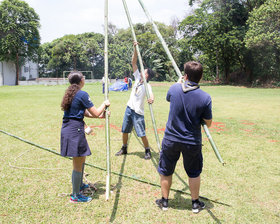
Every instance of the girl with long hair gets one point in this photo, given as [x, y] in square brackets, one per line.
[76, 104]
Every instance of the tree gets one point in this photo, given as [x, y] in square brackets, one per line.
[19, 35]
[216, 32]
[73, 52]
[85, 52]
[263, 39]
[151, 50]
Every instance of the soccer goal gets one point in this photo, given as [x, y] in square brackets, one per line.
[87, 74]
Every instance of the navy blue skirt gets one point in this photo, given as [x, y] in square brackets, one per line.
[73, 141]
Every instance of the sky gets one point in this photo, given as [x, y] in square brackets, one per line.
[61, 17]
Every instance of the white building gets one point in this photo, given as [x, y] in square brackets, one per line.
[8, 72]
[30, 71]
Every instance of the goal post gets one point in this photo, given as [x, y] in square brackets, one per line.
[87, 74]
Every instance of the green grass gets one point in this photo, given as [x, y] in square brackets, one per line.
[245, 190]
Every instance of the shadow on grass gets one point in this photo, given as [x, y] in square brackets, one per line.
[181, 203]
[100, 190]
[141, 155]
[155, 160]
[117, 198]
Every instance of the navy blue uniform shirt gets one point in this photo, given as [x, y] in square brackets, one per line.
[80, 103]
[187, 109]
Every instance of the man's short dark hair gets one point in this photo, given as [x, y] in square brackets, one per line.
[193, 70]
[150, 73]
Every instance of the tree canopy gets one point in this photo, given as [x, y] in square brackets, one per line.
[85, 52]
[235, 40]
[263, 39]
[19, 35]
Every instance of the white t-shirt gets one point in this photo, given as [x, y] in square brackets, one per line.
[138, 94]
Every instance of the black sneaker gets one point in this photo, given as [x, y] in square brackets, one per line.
[148, 154]
[123, 151]
[197, 206]
[162, 203]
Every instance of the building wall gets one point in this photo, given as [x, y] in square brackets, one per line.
[29, 70]
[1, 74]
[8, 73]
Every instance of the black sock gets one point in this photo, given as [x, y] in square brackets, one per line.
[194, 201]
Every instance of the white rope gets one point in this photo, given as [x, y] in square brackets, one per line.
[29, 168]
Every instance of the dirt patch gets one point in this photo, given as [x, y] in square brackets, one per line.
[218, 126]
[272, 140]
[160, 129]
[247, 122]
[97, 126]
[115, 127]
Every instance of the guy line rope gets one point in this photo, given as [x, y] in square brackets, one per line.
[104, 169]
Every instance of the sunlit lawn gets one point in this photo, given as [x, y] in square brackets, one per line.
[33, 181]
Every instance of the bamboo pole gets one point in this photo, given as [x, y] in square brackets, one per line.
[142, 73]
[101, 168]
[177, 70]
[207, 132]
[107, 126]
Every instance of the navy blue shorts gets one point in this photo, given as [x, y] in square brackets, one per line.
[73, 141]
[132, 119]
[170, 153]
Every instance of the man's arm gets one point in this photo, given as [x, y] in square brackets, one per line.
[208, 122]
[134, 57]
[151, 100]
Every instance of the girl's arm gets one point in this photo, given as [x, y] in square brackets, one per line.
[94, 112]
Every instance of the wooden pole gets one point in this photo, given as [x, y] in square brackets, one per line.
[107, 126]
[142, 73]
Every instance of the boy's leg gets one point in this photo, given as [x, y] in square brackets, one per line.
[145, 142]
[125, 138]
[126, 129]
[169, 155]
[165, 183]
[123, 150]
[139, 125]
[194, 184]
[148, 154]
[193, 163]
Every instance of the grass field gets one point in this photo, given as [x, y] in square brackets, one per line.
[245, 190]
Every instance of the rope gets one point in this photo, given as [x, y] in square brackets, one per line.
[88, 164]
[30, 168]
[101, 168]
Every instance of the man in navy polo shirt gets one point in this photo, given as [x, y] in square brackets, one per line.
[189, 107]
